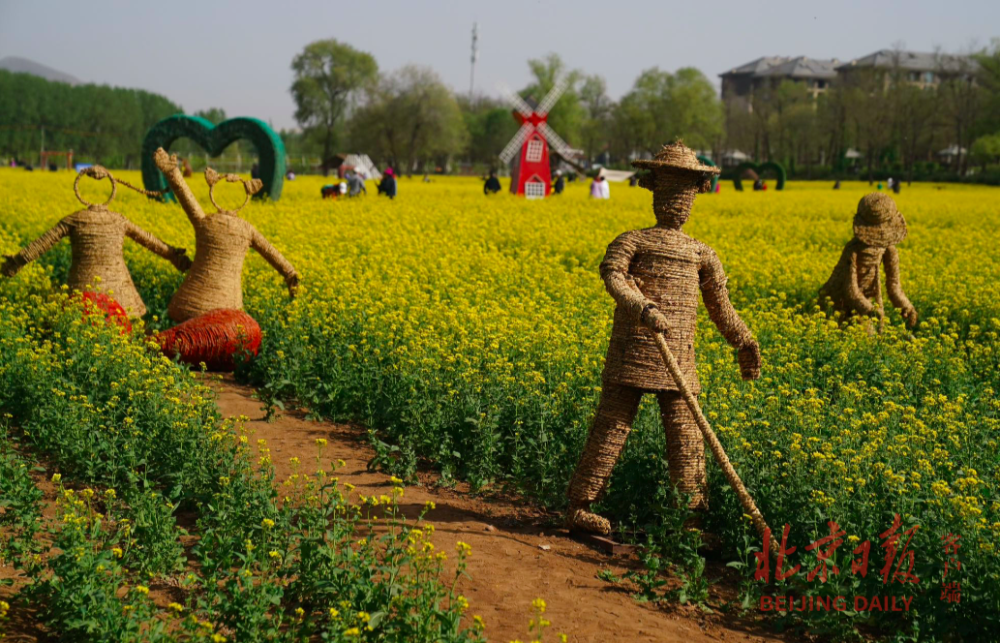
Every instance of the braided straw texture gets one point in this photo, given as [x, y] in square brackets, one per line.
[878, 221]
[659, 268]
[213, 339]
[222, 240]
[96, 239]
[854, 287]
[615, 413]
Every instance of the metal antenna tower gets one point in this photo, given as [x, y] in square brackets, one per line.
[475, 57]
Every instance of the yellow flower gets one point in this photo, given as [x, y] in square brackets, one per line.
[175, 607]
[142, 589]
[267, 523]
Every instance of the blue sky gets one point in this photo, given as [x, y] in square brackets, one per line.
[236, 55]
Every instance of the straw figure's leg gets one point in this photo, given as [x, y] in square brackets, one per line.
[685, 449]
[615, 413]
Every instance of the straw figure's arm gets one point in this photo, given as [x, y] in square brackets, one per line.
[277, 261]
[623, 288]
[724, 316]
[176, 256]
[13, 263]
[168, 165]
[854, 296]
[895, 288]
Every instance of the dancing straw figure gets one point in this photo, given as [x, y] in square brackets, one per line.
[654, 276]
[878, 227]
[97, 235]
[209, 304]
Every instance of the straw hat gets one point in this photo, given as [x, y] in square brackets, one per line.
[878, 221]
[676, 156]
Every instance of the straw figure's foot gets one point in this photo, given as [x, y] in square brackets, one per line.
[582, 520]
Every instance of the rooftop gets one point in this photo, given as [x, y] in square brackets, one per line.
[803, 67]
[910, 60]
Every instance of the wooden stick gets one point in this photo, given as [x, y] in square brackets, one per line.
[749, 506]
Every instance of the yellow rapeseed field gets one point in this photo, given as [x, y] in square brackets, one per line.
[470, 331]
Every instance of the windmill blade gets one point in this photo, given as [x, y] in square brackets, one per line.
[515, 143]
[555, 141]
[553, 95]
[515, 101]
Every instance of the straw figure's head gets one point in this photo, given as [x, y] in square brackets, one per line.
[676, 176]
[878, 221]
[251, 187]
[96, 172]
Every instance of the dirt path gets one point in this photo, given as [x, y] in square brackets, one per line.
[509, 568]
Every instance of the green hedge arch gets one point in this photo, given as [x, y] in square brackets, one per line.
[707, 161]
[214, 139]
[778, 169]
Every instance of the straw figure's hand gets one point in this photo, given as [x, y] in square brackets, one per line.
[748, 358]
[654, 320]
[164, 161]
[11, 266]
[910, 315]
[180, 259]
[293, 286]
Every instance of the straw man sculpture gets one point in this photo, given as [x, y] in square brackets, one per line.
[97, 235]
[854, 284]
[654, 276]
[209, 304]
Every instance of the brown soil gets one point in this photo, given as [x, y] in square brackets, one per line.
[509, 566]
[519, 552]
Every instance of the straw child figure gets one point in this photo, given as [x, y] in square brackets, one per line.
[654, 275]
[97, 235]
[222, 240]
[854, 284]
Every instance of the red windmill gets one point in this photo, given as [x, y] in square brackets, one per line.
[529, 149]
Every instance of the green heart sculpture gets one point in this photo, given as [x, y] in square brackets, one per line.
[214, 139]
[770, 165]
[707, 161]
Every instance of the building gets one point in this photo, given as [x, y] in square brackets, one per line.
[741, 83]
[920, 69]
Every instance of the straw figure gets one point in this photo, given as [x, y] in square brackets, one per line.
[97, 235]
[654, 276]
[209, 304]
[854, 287]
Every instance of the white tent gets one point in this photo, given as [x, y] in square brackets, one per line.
[852, 153]
[363, 165]
[617, 176]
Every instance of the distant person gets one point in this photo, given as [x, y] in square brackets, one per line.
[387, 185]
[492, 185]
[879, 185]
[290, 175]
[633, 180]
[600, 189]
[758, 185]
[427, 178]
[355, 184]
[897, 186]
[560, 183]
[836, 186]
[889, 183]
[255, 171]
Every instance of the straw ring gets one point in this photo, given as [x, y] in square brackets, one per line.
[211, 195]
[90, 171]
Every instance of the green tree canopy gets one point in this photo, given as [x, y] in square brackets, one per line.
[328, 76]
[410, 119]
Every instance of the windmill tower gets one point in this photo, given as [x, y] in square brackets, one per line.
[529, 149]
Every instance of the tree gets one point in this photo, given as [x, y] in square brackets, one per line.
[328, 77]
[409, 118]
[662, 107]
[567, 115]
[490, 126]
[986, 149]
[595, 129]
[962, 102]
